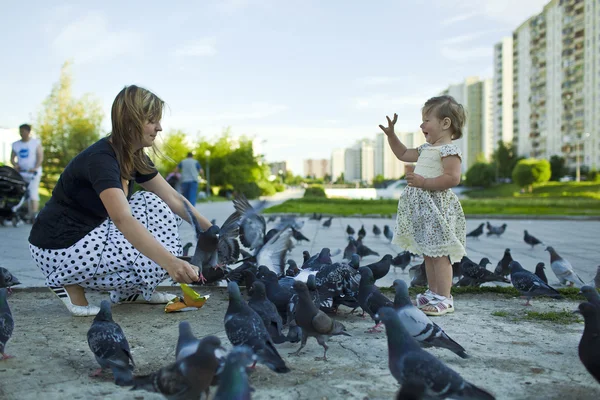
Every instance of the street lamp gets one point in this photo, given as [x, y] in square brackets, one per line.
[207, 154]
[578, 143]
[281, 175]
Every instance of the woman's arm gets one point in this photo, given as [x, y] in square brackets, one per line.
[119, 211]
[159, 186]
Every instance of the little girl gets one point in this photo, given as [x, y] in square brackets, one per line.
[430, 218]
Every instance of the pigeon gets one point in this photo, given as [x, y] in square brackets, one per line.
[350, 249]
[7, 280]
[419, 326]
[279, 295]
[252, 224]
[597, 278]
[411, 391]
[233, 381]
[539, 272]
[478, 273]
[327, 223]
[110, 347]
[495, 230]
[402, 260]
[530, 239]
[589, 345]
[563, 269]
[591, 295]
[271, 218]
[292, 269]
[338, 285]
[529, 284]
[502, 267]
[370, 298]
[387, 232]
[362, 232]
[313, 321]
[299, 236]
[7, 323]
[186, 248]
[186, 378]
[412, 365]
[381, 267]
[376, 230]
[215, 246]
[267, 312]
[364, 251]
[244, 326]
[477, 231]
[349, 230]
[187, 343]
[418, 274]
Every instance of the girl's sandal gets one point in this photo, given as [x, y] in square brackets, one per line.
[424, 299]
[439, 306]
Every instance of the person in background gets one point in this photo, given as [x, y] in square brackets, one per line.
[189, 168]
[26, 156]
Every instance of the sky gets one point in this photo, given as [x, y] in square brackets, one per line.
[303, 77]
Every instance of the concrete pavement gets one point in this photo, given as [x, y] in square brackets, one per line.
[573, 239]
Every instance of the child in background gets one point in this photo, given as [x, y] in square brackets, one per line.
[430, 218]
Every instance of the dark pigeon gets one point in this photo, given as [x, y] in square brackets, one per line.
[381, 267]
[338, 285]
[280, 296]
[539, 272]
[478, 273]
[362, 232]
[496, 230]
[412, 365]
[591, 295]
[267, 312]
[364, 251]
[244, 326]
[349, 230]
[411, 391]
[110, 347]
[589, 345]
[418, 275]
[186, 378]
[502, 267]
[529, 284]
[233, 381]
[376, 230]
[7, 280]
[327, 223]
[292, 269]
[7, 324]
[370, 298]
[387, 232]
[477, 231]
[597, 278]
[313, 321]
[419, 326]
[531, 240]
[186, 248]
[187, 343]
[350, 249]
[402, 260]
[299, 236]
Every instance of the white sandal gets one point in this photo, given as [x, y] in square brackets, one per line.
[440, 305]
[424, 299]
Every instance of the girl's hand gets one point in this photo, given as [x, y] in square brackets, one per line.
[415, 180]
[182, 271]
[390, 129]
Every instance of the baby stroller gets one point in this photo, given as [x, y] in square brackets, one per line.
[14, 196]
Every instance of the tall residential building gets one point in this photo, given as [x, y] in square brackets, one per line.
[337, 163]
[476, 97]
[556, 67]
[502, 92]
[316, 168]
[360, 162]
[386, 163]
[352, 164]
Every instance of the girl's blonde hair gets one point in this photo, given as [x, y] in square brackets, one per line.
[447, 107]
[132, 109]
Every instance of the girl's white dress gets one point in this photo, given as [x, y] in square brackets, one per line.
[431, 222]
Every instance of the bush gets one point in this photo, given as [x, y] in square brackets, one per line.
[315, 191]
[225, 191]
[266, 188]
[557, 166]
[481, 174]
[279, 187]
[250, 189]
[530, 171]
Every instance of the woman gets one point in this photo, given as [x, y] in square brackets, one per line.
[93, 233]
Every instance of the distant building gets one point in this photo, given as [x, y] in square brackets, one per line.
[337, 163]
[386, 162]
[316, 168]
[277, 166]
[502, 92]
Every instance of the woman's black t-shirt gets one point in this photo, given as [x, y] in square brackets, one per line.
[75, 208]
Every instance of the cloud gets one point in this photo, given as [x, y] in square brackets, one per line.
[253, 111]
[89, 39]
[459, 18]
[383, 101]
[200, 48]
[469, 37]
[379, 80]
[460, 54]
[511, 12]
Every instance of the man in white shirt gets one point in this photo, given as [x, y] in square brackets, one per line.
[26, 157]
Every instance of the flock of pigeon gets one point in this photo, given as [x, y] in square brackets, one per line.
[291, 303]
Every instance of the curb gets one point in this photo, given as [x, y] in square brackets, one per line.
[472, 216]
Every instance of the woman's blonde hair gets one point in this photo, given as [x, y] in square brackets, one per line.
[447, 107]
[132, 109]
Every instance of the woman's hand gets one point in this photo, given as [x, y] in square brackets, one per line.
[389, 131]
[182, 271]
[415, 180]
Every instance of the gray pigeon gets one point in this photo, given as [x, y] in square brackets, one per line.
[244, 326]
[412, 365]
[411, 391]
[376, 230]
[188, 378]
[110, 347]
[530, 239]
[7, 280]
[187, 343]
[529, 284]
[387, 232]
[252, 224]
[313, 321]
[419, 326]
[563, 269]
[233, 381]
[591, 295]
[370, 298]
[267, 312]
[6, 323]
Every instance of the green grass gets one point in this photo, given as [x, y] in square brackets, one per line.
[564, 317]
[584, 190]
[500, 313]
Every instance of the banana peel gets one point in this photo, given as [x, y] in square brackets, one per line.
[189, 302]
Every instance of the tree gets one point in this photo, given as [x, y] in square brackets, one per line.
[557, 166]
[505, 158]
[66, 126]
[174, 147]
[340, 179]
[530, 171]
[481, 174]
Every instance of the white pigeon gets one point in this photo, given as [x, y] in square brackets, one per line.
[563, 269]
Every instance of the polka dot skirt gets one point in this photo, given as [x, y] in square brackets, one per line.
[105, 260]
